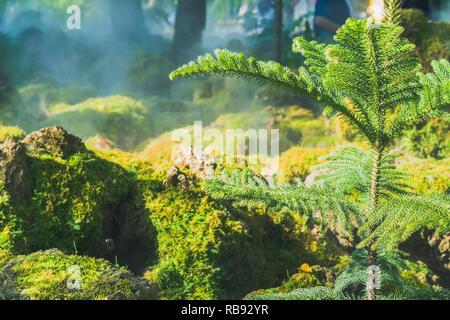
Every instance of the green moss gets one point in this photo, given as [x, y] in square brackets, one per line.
[427, 176]
[7, 132]
[429, 140]
[209, 251]
[79, 201]
[44, 277]
[418, 276]
[144, 173]
[6, 240]
[69, 200]
[306, 277]
[5, 257]
[296, 162]
[41, 96]
[121, 119]
[191, 229]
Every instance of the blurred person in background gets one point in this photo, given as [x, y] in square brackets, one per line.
[329, 16]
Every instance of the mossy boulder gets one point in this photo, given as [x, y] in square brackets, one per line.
[52, 275]
[38, 98]
[149, 74]
[208, 250]
[54, 142]
[120, 119]
[56, 193]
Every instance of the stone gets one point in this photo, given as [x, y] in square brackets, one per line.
[14, 170]
[54, 141]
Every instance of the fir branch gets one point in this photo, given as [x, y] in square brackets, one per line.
[243, 190]
[237, 65]
[434, 102]
[392, 11]
[349, 169]
[396, 219]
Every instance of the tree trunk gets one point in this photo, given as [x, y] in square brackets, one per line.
[190, 21]
[127, 19]
[278, 29]
[372, 257]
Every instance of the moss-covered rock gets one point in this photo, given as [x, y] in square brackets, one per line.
[54, 142]
[122, 120]
[62, 195]
[427, 176]
[51, 275]
[208, 250]
[38, 98]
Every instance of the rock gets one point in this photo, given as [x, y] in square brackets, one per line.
[175, 178]
[8, 286]
[115, 283]
[14, 171]
[94, 195]
[201, 164]
[54, 141]
[143, 289]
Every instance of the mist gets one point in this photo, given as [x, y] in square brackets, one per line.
[128, 48]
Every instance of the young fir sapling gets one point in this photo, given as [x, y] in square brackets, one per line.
[371, 78]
